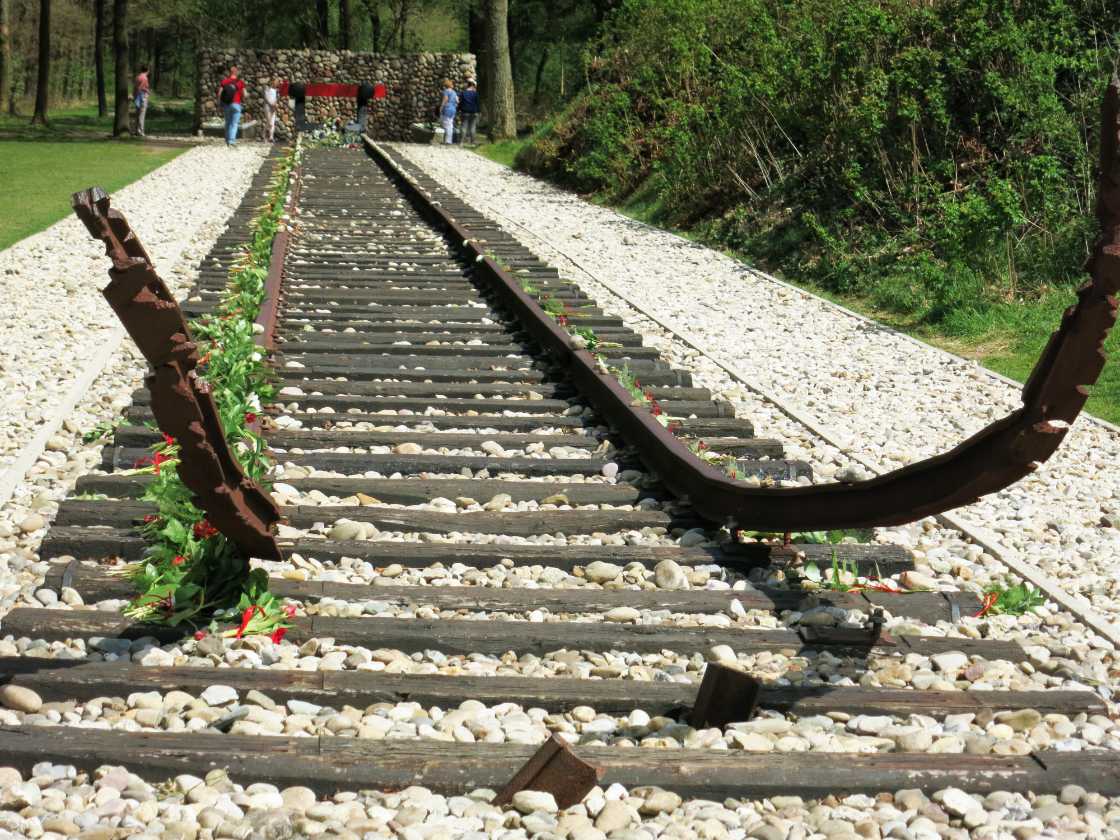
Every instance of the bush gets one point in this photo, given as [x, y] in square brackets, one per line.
[930, 156]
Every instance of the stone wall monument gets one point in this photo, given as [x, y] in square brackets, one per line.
[412, 85]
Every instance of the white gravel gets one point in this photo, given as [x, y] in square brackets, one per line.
[885, 398]
[63, 343]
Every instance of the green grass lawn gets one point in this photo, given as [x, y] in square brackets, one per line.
[39, 176]
[40, 166]
[502, 151]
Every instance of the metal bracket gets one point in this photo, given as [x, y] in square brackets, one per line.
[554, 769]
[726, 695]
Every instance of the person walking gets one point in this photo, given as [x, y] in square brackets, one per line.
[469, 107]
[447, 107]
[140, 93]
[271, 99]
[231, 94]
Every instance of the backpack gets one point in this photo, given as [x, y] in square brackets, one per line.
[228, 92]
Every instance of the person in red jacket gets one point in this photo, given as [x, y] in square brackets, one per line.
[230, 93]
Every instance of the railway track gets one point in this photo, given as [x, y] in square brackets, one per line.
[479, 561]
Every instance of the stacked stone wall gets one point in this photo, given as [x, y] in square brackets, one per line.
[413, 83]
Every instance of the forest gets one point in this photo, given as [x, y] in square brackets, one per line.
[87, 44]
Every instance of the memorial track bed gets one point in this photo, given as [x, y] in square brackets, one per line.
[463, 527]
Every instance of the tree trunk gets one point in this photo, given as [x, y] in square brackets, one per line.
[120, 67]
[5, 52]
[42, 85]
[502, 116]
[344, 24]
[476, 43]
[374, 13]
[322, 15]
[402, 24]
[99, 54]
[540, 72]
[157, 58]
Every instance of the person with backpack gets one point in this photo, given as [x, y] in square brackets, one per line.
[447, 107]
[140, 98]
[230, 94]
[469, 106]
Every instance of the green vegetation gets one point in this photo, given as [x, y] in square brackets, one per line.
[40, 176]
[191, 572]
[502, 151]
[80, 122]
[931, 164]
[1011, 600]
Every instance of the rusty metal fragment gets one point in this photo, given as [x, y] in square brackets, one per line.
[726, 695]
[181, 400]
[992, 459]
[554, 769]
[869, 636]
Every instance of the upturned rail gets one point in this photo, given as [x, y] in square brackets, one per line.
[180, 399]
[994, 458]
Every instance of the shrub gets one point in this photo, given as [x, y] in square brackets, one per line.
[930, 156]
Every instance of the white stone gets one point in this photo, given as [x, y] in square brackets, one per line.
[531, 801]
[219, 695]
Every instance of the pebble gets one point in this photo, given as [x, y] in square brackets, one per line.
[32, 523]
[219, 695]
[20, 699]
[531, 801]
[668, 574]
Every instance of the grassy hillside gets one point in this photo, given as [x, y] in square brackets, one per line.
[930, 163]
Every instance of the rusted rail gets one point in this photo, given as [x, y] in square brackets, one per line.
[992, 459]
[274, 281]
[181, 401]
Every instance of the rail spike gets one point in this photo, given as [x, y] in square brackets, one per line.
[992, 459]
[181, 400]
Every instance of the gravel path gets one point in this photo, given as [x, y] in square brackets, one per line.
[62, 344]
[885, 398]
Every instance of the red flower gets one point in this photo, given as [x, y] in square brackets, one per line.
[655, 408]
[178, 560]
[150, 518]
[250, 417]
[246, 617]
[562, 320]
[159, 459]
[199, 635]
[142, 461]
[204, 530]
[989, 601]
[170, 441]
[278, 634]
[290, 610]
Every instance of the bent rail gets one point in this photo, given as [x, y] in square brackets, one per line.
[181, 401]
[992, 459]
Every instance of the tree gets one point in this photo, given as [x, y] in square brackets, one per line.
[323, 19]
[344, 24]
[42, 84]
[502, 115]
[120, 67]
[476, 43]
[5, 51]
[99, 54]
